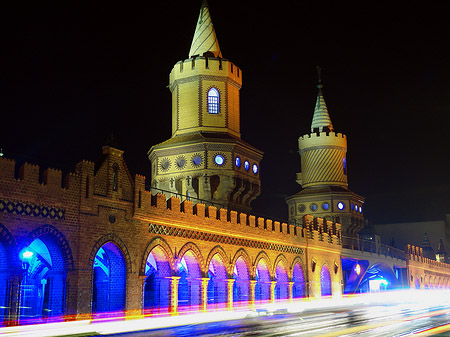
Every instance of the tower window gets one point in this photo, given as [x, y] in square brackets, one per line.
[213, 101]
[344, 165]
[115, 177]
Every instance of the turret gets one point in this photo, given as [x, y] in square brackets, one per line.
[206, 159]
[324, 176]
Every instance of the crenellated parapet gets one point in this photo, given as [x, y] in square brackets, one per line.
[314, 139]
[424, 272]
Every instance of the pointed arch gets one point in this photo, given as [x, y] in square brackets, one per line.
[111, 237]
[281, 258]
[242, 253]
[262, 255]
[298, 260]
[221, 252]
[158, 241]
[58, 238]
[11, 251]
[190, 246]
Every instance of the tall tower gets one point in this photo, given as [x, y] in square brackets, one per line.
[206, 158]
[324, 174]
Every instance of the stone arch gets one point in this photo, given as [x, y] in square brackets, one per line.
[195, 250]
[59, 239]
[158, 241]
[298, 260]
[111, 237]
[262, 255]
[218, 250]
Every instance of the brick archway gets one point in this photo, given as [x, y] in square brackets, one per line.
[221, 252]
[59, 239]
[298, 260]
[118, 242]
[158, 241]
[190, 246]
[262, 255]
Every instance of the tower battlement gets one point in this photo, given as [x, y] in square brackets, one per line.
[322, 139]
[205, 66]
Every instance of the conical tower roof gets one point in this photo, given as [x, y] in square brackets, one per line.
[321, 118]
[205, 40]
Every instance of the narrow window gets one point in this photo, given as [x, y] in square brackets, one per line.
[139, 199]
[87, 187]
[344, 165]
[213, 101]
[115, 176]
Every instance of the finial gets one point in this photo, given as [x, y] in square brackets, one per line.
[319, 77]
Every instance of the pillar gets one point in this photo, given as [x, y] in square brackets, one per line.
[174, 295]
[204, 294]
[252, 294]
[273, 284]
[291, 295]
[230, 294]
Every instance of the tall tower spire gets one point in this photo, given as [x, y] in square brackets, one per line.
[206, 160]
[323, 178]
[205, 41]
[321, 119]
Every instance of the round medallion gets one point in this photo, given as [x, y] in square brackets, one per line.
[219, 159]
[301, 208]
[340, 205]
[237, 162]
[165, 164]
[313, 207]
[181, 162]
[325, 206]
[196, 159]
[255, 168]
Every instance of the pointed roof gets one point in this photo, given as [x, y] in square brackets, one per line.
[205, 39]
[321, 118]
[428, 251]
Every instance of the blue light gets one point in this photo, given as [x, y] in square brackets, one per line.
[237, 162]
[325, 205]
[255, 168]
[341, 205]
[27, 254]
[247, 165]
[219, 160]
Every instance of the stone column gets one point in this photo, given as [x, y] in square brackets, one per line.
[291, 294]
[273, 284]
[174, 295]
[204, 294]
[230, 283]
[252, 294]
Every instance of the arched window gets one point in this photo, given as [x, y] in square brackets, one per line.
[213, 101]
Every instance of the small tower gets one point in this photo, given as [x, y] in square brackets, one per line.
[324, 174]
[441, 254]
[206, 159]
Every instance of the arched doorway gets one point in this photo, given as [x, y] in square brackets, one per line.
[157, 282]
[217, 284]
[282, 279]
[241, 285]
[43, 286]
[325, 281]
[298, 277]
[189, 286]
[262, 277]
[109, 281]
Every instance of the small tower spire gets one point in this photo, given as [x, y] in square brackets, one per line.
[321, 119]
[205, 40]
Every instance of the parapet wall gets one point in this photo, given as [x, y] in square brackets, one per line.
[322, 139]
[414, 253]
[206, 66]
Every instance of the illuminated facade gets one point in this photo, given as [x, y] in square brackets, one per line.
[96, 243]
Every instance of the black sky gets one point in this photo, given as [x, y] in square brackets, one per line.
[72, 74]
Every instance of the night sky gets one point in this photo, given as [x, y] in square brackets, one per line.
[72, 75]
